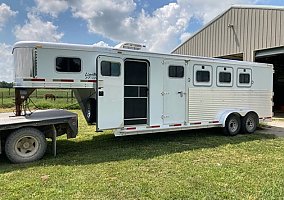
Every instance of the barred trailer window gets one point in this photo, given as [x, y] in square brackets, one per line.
[202, 76]
[67, 64]
[225, 77]
[176, 71]
[244, 78]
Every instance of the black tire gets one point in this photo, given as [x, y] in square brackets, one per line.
[232, 125]
[90, 111]
[250, 122]
[25, 145]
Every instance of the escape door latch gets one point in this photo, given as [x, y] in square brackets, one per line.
[101, 93]
[181, 93]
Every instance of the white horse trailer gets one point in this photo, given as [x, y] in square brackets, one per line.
[134, 91]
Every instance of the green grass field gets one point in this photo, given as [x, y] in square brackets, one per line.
[200, 164]
[63, 99]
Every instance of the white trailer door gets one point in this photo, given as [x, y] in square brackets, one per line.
[174, 92]
[109, 92]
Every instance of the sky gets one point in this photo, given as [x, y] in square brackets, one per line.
[159, 24]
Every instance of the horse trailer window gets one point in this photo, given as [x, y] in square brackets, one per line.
[202, 76]
[244, 78]
[110, 68]
[225, 77]
[176, 71]
[65, 64]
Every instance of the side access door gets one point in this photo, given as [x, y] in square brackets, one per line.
[174, 93]
[110, 74]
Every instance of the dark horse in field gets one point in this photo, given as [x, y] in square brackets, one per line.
[50, 96]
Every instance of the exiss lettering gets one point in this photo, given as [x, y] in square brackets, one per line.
[90, 75]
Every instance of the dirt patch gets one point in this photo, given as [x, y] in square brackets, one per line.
[276, 127]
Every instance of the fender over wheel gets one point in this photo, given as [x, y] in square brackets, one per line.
[250, 122]
[232, 125]
[25, 145]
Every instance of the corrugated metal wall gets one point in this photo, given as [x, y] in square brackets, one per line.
[239, 30]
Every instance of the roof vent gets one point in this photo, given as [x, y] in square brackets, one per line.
[132, 46]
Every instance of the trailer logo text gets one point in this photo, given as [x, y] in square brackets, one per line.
[90, 75]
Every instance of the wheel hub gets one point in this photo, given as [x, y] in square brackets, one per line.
[233, 125]
[26, 146]
[250, 123]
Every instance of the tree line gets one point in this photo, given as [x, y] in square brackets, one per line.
[4, 84]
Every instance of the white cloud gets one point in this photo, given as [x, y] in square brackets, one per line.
[5, 14]
[36, 29]
[206, 10]
[114, 19]
[185, 36]
[6, 63]
[119, 20]
[104, 17]
[102, 44]
[88, 9]
[52, 7]
[161, 30]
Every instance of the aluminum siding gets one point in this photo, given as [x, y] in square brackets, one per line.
[204, 104]
[253, 29]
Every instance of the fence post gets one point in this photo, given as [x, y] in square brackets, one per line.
[67, 97]
[72, 96]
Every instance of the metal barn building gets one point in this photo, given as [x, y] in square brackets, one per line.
[249, 33]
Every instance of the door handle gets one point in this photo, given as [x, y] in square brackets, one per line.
[181, 93]
[101, 93]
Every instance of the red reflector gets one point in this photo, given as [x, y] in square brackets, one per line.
[155, 126]
[34, 79]
[89, 81]
[175, 124]
[268, 118]
[195, 123]
[260, 118]
[131, 128]
[214, 122]
[63, 80]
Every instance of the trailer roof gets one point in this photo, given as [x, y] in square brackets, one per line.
[83, 47]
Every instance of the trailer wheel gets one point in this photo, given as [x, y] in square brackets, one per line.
[25, 145]
[232, 125]
[250, 122]
[90, 111]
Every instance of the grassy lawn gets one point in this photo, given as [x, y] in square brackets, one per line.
[183, 165]
[63, 99]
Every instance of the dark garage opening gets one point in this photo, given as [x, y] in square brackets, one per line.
[278, 79]
[239, 56]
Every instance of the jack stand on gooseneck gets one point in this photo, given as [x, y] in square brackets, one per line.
[21, 95]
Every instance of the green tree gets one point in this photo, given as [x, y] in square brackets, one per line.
[4, 84]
